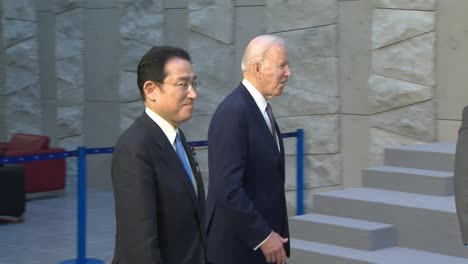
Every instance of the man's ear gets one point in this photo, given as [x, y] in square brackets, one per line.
[257, 67]
[151, 90]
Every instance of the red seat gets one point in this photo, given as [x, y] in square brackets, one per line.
[39, 176]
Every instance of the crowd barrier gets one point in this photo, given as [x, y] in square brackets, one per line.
[81, 154]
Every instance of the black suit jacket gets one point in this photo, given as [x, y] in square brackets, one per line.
[159, 218]
[246, 199]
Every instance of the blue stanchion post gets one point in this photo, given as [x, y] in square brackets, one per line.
[300, 172]
[81, 245]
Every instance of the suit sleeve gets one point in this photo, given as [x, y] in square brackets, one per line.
[134, 187]
[228, 159]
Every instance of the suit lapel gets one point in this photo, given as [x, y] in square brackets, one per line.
[169, 156]
[253, 108]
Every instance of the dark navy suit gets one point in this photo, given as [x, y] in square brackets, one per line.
[246, 199]
[159, 217]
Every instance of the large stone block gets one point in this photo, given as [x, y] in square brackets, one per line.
[20, 9]
[381, 139]
[22, 62]
[320, 76]
[23, 111]
[65, 5]
[391, 26]
[293, 14]
[407, 4]
[15, 31]
[132, 51]
[388, 93]
[71, 23]
[410, 60]
[69, 121]
[67, 47]
[71, 69]
[129, 112]
[139, 6]
[202, 47]
[415, 121]
[140, 22]
[198, 4]
[297, 102]
[128, 87]
[320, 133]
[214, 21]
[215, 78]
[306, 44]
[319, 171]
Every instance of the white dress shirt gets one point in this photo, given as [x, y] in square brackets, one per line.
[170, 132]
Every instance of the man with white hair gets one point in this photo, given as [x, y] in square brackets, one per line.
[246, 207]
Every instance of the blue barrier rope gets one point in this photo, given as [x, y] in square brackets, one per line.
[81, 154]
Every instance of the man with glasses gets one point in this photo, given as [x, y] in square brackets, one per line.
[158, 189]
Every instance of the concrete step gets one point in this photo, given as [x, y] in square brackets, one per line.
[423, 222]
[347, 232]
[306, 252]
[434, 156]
[410, 180]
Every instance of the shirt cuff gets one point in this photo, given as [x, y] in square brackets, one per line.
[261, 243]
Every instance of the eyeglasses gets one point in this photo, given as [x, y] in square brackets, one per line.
[186, 87]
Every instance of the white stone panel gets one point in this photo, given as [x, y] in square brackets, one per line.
[214, 21]
[391, 26]
[415, 121]
[15, 31]
[129, 112]
[135, 6]
[67, 47]
[320, 133]
[198, 4]
[71, 23]
[319, 171]
[139, 22]
[294, 14]
[388, 93]
[64, 5]
[297, 102]
[215, 79]
[23, 111]
[70, 143]
[407, 4]
[69, 121]
[203, 48]
[20, 9]
[70, 80]
[411, 60]
[133, 51]
[22, 65]
[320, 76]
[196, 129]
[306, 44]
[128, 90]
[381, 139]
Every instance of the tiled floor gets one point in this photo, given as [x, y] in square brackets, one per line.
[48, 233]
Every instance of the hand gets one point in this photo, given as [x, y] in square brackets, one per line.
[273, 249]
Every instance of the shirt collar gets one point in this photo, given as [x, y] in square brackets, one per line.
[257, 96]
[165, 126]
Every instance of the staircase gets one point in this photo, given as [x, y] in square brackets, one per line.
[404, 213]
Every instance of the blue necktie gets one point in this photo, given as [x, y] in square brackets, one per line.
[181, 153]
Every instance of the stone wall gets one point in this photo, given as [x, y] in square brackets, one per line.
[364, 73]
[20, 92]
[402, 80]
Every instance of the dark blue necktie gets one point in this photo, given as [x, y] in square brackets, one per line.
[181, 153]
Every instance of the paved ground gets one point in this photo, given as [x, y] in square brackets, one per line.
[48, 233]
